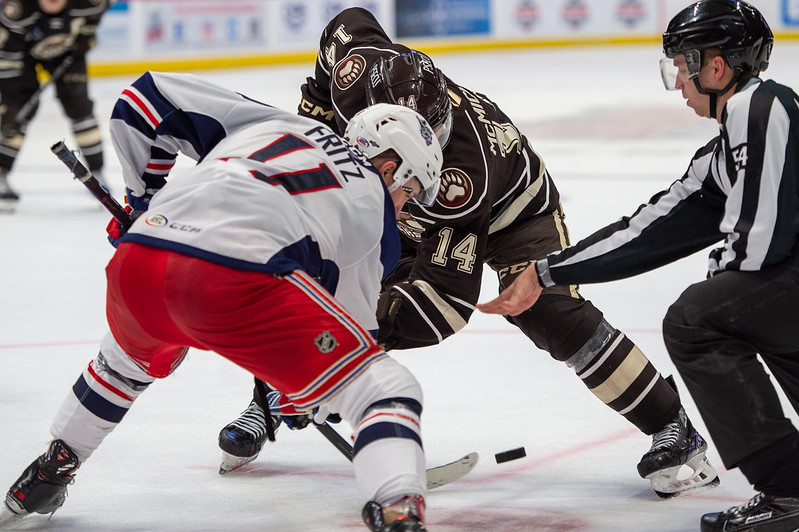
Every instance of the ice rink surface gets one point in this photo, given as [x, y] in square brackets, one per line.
[611, 137]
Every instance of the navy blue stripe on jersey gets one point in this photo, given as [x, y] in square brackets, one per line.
[283, 145]
[302, 181]
[96, 403]
[390, 241]
[146, 86]
[202, 131]
[381, 431]
[161, 162]
[125, 112]
[253, 100]
[302, 255]
[136, 114]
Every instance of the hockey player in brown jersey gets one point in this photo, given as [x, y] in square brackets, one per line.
[56, 35]
[497, 206]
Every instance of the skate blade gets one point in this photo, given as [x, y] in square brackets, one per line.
[231, 463]
[7, 517]
[667, 484]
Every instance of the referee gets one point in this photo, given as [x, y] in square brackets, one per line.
[742, 191]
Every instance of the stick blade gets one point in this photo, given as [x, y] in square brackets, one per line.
[444, 474]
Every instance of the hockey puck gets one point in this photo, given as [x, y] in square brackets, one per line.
[513, 454]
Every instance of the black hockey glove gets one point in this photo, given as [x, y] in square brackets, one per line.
[388, 306]
[316, 104]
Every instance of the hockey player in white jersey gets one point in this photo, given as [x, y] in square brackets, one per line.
[269, 252]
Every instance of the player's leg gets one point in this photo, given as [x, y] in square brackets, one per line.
[72, 90]
[16, 92]
[384, 407]
[572, 330]
[290, 332]
[713, 333]
[103, 393]
[97, 402]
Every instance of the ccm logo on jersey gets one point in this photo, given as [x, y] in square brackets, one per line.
[739, 156]
[348, 71]
[456, 188]
[159, 220]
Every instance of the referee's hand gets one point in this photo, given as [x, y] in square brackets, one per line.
[522, 293]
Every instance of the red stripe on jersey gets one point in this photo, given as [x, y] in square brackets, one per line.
[155, 166]
[141, 106]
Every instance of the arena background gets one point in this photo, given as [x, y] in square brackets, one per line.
[138, 35]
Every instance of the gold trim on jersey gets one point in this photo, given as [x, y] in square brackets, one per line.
[448, 312]
[514, 209]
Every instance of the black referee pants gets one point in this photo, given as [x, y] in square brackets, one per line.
[713, 333]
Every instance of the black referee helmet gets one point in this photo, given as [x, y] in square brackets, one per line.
[735, 27]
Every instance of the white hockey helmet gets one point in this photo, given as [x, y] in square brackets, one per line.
[385, 126]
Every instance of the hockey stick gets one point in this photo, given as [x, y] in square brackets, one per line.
[27, 107]
[436, 476]
[336, 439]
[82, 174]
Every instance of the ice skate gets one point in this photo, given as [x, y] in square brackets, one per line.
[762, 513]
[404, 515]
[42, 488]
[677, 445]
[8, 197]
[242, 439]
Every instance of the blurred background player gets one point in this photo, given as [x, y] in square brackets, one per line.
[255, 253]
[46, 34]
[498, 206]
[741, 190]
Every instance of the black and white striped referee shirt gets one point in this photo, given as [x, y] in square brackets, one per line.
[742, 188]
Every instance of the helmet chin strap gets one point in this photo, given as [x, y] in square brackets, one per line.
[714, 94]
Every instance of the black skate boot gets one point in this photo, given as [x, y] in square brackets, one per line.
[678, 444]
[8, 197]
[762, 513]
[42, 488]
[242, 439]
[404, 515]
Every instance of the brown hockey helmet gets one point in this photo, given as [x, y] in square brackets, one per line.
[412, 80]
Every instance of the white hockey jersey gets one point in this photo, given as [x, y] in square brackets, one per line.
[273, 192]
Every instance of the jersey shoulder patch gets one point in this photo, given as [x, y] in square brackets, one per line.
[456, 189]
[348, 71]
